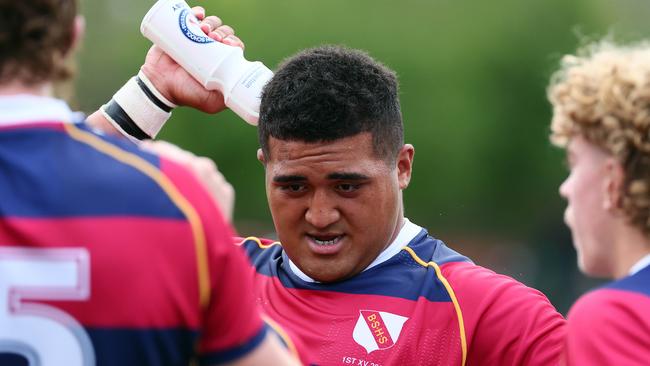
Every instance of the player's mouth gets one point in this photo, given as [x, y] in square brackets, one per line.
[325, 243]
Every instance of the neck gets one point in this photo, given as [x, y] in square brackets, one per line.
[400, 221]
[632, 245]
[14, 88]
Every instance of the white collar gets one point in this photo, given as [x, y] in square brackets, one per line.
[408, 231]
[641, 264]
[25, 108]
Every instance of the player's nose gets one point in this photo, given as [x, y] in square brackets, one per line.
[322, 211]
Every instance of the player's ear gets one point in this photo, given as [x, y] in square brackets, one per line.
[78, 32]
[261, 157]
[613, 183]
[405, 165]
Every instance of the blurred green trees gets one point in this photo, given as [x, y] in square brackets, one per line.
[473, 76]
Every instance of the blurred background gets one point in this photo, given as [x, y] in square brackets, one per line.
[473, 76]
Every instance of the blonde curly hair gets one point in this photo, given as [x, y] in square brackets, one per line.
[603, 95]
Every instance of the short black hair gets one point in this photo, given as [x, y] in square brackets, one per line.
[330, 92]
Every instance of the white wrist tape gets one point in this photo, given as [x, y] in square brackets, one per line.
[104, 111]
[144, 112]
[155, 91]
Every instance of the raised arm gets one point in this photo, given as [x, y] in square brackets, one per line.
[170, 83]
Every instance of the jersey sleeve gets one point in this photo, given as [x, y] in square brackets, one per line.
[231, 325]
[506, 322]
[609, 327]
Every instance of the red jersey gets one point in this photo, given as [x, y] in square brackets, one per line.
[109, 255]
[611, 325]
[424, 305]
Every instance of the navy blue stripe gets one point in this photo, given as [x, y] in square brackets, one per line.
[638, 282]
[12, 359]
[125, 347]
[152, 347]
[386, 279]
[48, 174]
[161, 347]
[236, 352]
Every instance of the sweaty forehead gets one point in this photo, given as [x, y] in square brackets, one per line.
[358, 147]
[352, 155]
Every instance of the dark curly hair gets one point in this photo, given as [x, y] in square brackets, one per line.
[35, 36]
[331, 92]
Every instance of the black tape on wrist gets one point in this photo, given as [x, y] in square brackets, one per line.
[152, 97]
[124, 121]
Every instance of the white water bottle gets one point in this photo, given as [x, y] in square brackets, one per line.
[171, 25]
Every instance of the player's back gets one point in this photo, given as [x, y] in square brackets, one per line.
[104, 254]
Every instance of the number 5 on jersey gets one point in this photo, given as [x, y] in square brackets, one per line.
[41, 333]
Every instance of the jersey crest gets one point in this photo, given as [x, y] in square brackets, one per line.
[377, 330]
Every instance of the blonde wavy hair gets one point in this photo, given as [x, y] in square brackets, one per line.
[603, 94]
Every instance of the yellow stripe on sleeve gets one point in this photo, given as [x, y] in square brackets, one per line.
[168, 187]
[452, 295]
[259, 242]
[285, 337]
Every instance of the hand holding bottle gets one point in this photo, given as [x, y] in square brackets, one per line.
[172, 26]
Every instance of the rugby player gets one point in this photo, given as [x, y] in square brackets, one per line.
[601, 115]
[108, 255]
[351, 280]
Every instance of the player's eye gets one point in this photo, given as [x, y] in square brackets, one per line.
[293, 187]
[348, 187]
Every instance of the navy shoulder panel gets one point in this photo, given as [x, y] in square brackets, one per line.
[430, 249]
[49, 173]
[638, 282]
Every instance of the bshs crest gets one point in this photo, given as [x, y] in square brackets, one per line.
[377, 330]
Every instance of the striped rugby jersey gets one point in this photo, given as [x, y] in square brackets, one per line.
[424, 305]
[109, 255]
[611, 325]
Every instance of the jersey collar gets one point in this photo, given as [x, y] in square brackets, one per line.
[26, 109]
[641, 264]
[408, 231]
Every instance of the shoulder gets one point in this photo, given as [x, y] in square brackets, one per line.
[506, 321]
[112, 147]
[477, 281]
[609, 326]
[615, 301]
[260, 251]
[484, 294]
[480, 291]
[638, 283]
[425, 249]
[170, 179]
[609, 310]
[473, 282]
[76, 171]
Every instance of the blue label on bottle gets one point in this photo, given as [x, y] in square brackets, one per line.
[186, 17]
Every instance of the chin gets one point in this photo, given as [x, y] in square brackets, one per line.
[328, 277]
[593, 268]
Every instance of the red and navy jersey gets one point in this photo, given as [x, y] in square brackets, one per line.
[425, 305]
[611, 325]
[109, 255]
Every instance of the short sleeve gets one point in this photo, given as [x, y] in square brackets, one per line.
[506, 322]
